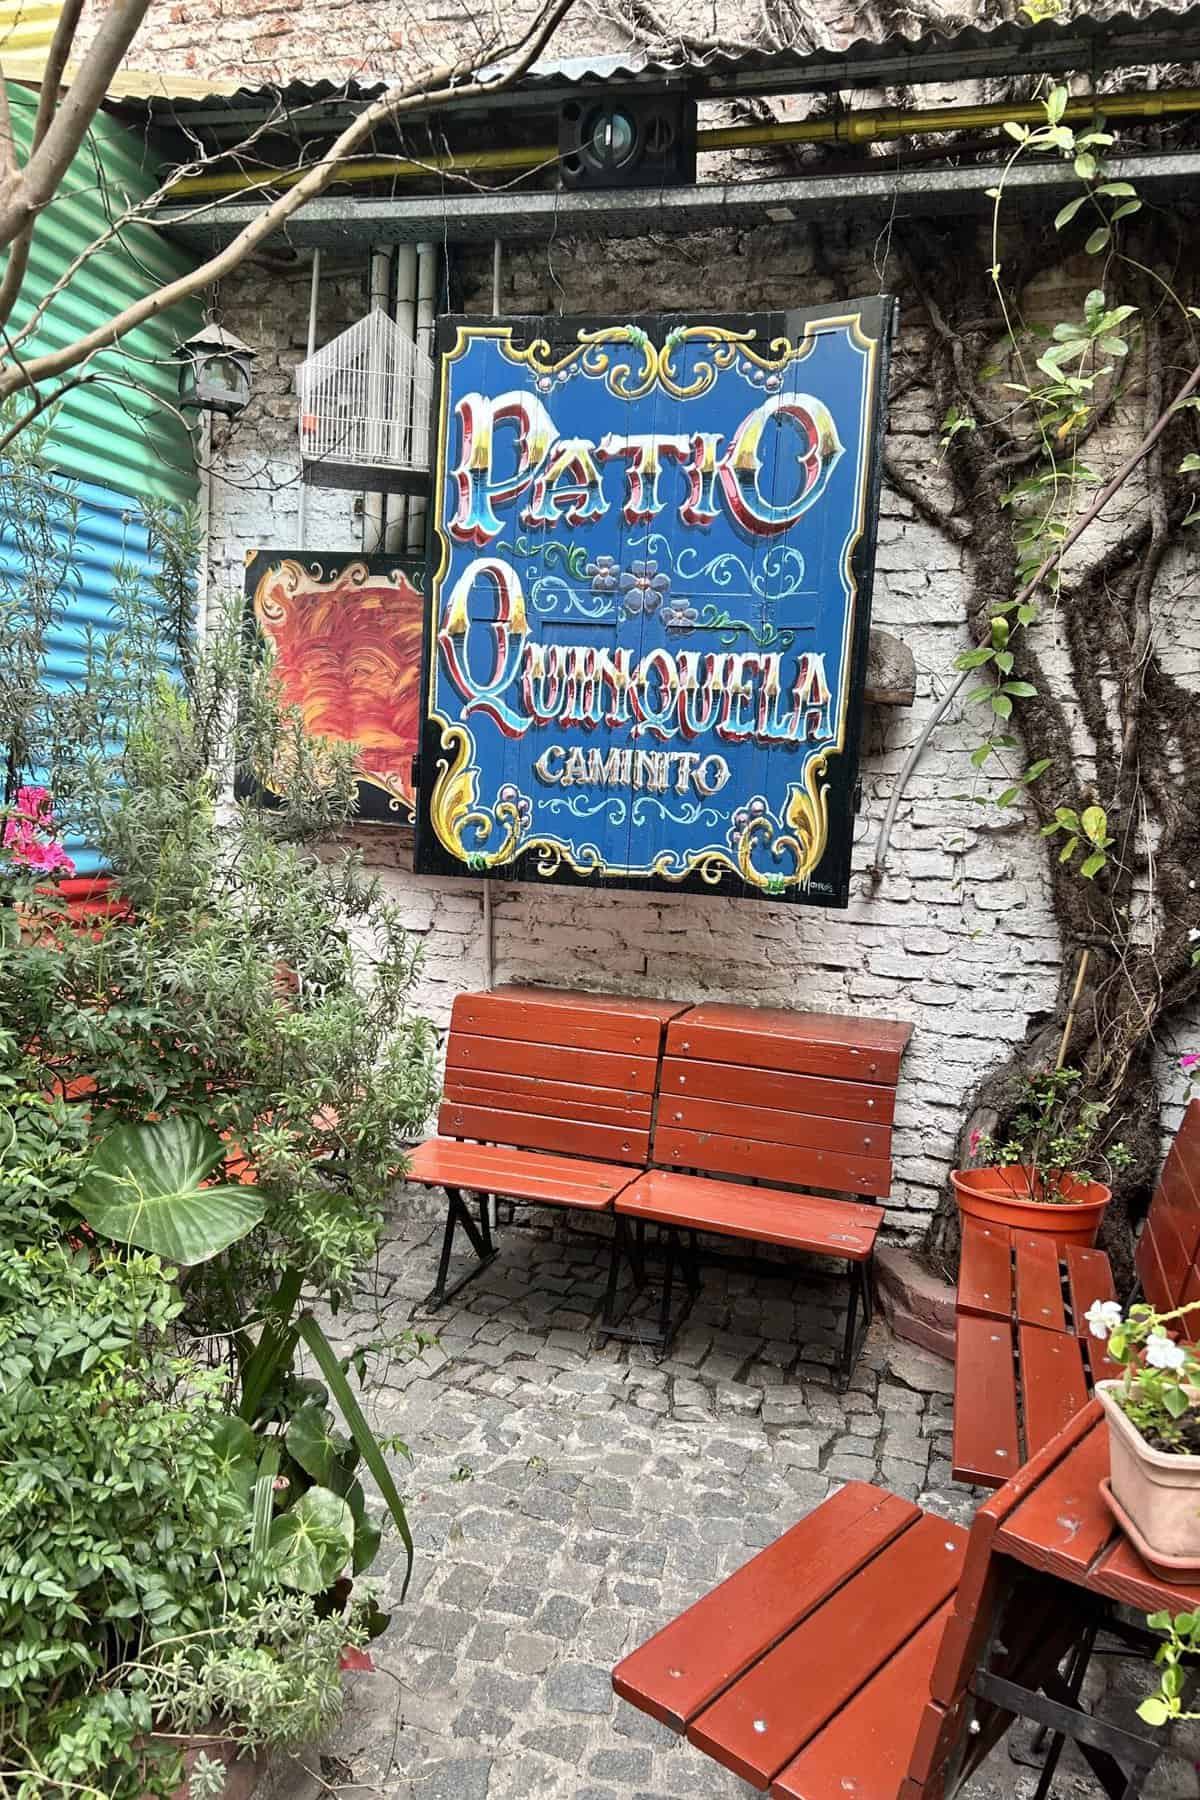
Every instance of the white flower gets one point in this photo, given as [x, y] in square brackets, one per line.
[1194, 935]
[1162, 1353]
[1102, 1317]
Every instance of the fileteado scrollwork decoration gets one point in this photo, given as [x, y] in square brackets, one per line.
[648, 607]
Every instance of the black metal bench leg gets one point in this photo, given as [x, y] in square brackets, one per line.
[1080, 1659]
[626, 1246]
[860, 1297]
[479, 1236]
[668, 1282]
[630, 1245]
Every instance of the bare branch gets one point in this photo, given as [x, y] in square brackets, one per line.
[453, 81]
[23, 196]
[56, 62]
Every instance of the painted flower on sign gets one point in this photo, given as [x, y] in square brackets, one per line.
[509, 795]
[605, 574]
[678, 616]
[643, 589]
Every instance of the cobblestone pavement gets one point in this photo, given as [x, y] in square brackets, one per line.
[567, 1500]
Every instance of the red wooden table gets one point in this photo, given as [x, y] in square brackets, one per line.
[1046, 1565]
[881, 1652]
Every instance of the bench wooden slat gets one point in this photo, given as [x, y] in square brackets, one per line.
[1176, 1201]
[1053, 1383]
[985, 1282]
[812, 1094]
[1150, 1273]
[760, 1723]
[986, 1446]
[1064, 1523]
[595, 1068]
[1173, 1258]
[799, 1221]
[803, 1043]
[631, 1006]
[1168, 1251]
[772, 1162]
[577, 1021]
[1189, 1325]
[1039, 1284]
[557, 1099]
[768, 1125]
[628, 1143]
[693, 1659]
[1089, 1278]
[518, 1174]
[871, 1735]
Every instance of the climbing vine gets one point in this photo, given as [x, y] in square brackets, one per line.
[1067, 456]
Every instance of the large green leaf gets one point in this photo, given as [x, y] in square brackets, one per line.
[360, 1431]
[322, 1452]
[143, 1187]
[263, 1509]
[237, 1454]
[368, 1533]
[311, 1543]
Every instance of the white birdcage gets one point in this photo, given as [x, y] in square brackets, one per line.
[365, 404]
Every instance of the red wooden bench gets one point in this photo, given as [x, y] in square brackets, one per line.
[878, 1652]
[1025, 1360]
[548, 1101]
[1168, 1251]
[758, 1106]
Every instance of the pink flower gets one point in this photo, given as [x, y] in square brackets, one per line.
[34, 815]
[1190, 1060]
[35, 803]
[974, 1141]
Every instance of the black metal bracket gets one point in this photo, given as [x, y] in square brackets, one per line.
[1107, 1749]
[629, 1246]
[479, 1237]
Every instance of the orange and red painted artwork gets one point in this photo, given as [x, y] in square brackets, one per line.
[344, 634]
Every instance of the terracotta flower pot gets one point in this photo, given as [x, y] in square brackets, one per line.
[1158, 1491]
[1001, 1197]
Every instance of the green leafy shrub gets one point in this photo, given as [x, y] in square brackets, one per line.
[217, 1075]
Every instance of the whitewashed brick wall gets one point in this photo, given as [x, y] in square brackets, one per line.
[959, 939]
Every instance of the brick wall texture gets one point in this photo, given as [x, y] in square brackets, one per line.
[959, 938]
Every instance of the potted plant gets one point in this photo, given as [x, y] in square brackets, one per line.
[1153, 1414]
[1042, 1177]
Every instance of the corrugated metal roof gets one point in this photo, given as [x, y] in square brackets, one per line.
[1094, 44]
[115, 430]
[1121, 38]
[27, 30]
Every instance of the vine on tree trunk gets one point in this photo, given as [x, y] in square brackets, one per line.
[1115, 734]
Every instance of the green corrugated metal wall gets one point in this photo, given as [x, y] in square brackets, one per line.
[117, 433]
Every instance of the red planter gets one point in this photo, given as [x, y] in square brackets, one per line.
[1001, 1197]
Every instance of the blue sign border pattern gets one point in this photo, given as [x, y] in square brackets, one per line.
[514, 563]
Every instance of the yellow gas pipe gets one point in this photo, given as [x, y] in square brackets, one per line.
[847, 128]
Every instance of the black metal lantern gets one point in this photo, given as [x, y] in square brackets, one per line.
[214, 371]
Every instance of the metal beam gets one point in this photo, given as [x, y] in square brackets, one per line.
[336, 222]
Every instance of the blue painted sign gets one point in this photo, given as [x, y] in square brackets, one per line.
[649, 599]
